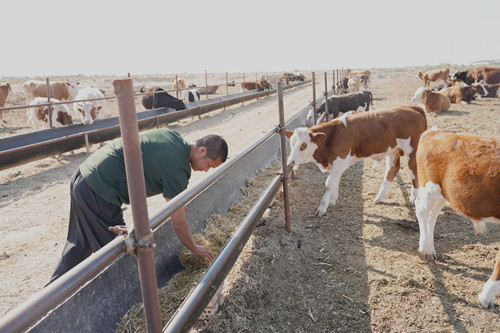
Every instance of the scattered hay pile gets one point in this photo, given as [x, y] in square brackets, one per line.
[216, 234]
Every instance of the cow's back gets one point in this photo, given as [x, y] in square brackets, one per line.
[466, 167]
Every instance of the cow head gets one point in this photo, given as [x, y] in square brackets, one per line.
[303, 144]
[72, 88]
[418, 95]
[88, 112]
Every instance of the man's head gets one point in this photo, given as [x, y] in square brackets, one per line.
[208, 152]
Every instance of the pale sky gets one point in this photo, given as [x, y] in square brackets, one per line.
[101, 37]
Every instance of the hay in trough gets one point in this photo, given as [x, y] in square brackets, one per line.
[217, 232]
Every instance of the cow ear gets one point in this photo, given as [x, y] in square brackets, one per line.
[288, 134]
[99, 107]
[317, 137]
[66, 83]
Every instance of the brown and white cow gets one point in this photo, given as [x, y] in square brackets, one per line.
[338, 144]
[58, 90]
[490, 75]
[4, 92]
[433, 101]
[490, 90]
[438, 74]
[354, 84]
[260, 85]
[464, 94]
[463, 170]
[180, 84]
[39, 115]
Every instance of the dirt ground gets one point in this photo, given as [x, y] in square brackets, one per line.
[354, 269]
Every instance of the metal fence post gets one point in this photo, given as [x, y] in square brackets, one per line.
[314, 97]
[137, 190]
[284, 178]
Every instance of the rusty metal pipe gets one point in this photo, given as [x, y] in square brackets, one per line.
[314, 97]
[137, 192]
[286, 200]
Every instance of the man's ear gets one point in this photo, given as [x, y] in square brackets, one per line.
[202, 150]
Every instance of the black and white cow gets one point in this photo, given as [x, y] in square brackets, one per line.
[161, 99]
[191, 95]
[361, 101]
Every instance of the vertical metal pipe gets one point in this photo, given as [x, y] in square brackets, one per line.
[242, 102]
[137, 191]
[286, 200]
[49, 108]
[334, 87]
[227, 89]
[206, 84]
[326, 98]
[314, 97]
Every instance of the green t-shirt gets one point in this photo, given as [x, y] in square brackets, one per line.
[165, 157]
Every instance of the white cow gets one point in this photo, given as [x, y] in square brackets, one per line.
[38, 115]
[192, 95]
[89, 110]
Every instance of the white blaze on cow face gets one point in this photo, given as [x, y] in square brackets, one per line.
[418, 95]
[72, 88]
[302, 147]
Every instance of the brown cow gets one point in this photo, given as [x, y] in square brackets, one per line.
[338, 144]
[261, 85]
[438, 74]
[463, 170]
[490, 75]
[462, 95]
[4, 92]
[433, 101]
[58, 90]
[490, 89]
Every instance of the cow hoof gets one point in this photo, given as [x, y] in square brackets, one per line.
[485, 303]
[427, 256]
[320, 212]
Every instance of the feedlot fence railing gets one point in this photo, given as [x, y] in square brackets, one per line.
[110, 279]
[24, 148]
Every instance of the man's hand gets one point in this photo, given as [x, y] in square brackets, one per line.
[204, 251]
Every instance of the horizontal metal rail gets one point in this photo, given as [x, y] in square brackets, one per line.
[192, 307]
[24, 148]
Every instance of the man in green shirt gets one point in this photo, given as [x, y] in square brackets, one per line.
[99, 188]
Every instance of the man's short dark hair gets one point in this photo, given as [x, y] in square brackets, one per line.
[216, 146]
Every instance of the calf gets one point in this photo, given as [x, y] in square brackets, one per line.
[192, 95]
[338, 144]
[251, 86]
[438, 74]
[354, 84]
[463, 170]
[161, 99]
[4, 92]
[89, 111]
[433, 101]
[39, 115]
[462, 95]
[490, 90]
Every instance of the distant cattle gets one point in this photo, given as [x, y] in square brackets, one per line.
[4, 92]
[260, 85]
[462, 95]
[179, 84]
[161, 99]
[191, 95]
[294, 77]
[59, 90]
[464, 171]
[39, 115]
[362, 101]
[435, 75]
[354, 84]
[337, 144]
[89, 111]
[490, 75]
[343, 85]
[433, 101]
[464, 76]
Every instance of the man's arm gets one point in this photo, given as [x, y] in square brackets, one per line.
[181, 228]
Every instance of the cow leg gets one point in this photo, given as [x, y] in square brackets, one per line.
[491, 287]
[392, 165]
[412, 165]
[332, 185]
[428, 205]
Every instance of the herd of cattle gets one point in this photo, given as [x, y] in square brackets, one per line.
[90, 104]
[461, 169]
